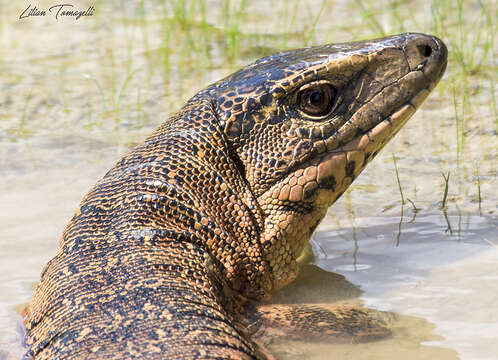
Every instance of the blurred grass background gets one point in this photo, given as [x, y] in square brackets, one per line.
[100, 84]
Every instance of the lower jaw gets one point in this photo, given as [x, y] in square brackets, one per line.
[347, 162]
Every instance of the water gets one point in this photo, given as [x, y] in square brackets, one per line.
[449, 280]
[76, 95]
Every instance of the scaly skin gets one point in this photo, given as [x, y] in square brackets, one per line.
[217, 204]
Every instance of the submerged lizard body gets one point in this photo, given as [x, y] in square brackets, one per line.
[217, 204]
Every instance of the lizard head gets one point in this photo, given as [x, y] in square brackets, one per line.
[303, 124]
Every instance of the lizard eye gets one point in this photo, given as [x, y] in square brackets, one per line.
[316, 100]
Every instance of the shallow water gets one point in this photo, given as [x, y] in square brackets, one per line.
[76, 95]
[450, 281]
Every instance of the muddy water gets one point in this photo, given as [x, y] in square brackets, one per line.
[76, 95]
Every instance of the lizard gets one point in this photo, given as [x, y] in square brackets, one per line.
[210, 214]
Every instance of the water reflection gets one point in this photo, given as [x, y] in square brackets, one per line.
[412, 337]
[441, 276]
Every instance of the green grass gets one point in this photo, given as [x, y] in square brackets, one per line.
[444, 205]
[471, 42]
[370, 17]
[398, 181]
[445, 192]
[493, 102]
[460, 106]
[97, 84]
[117, 97]
[478, 184]
[24, 117]
[286, 21]
[312, 29]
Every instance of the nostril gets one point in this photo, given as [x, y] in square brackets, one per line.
[425, 50]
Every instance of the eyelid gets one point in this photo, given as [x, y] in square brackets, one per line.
[314, 83]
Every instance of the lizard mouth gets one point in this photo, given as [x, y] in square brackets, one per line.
[427, 67]
[396, 101]
[338, 167]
